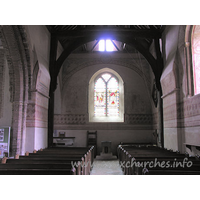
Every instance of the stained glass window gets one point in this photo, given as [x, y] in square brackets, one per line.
[106, 77]
[106, 96]
[112, 97]
[100, 98]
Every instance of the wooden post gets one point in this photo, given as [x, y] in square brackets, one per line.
[159, 66]
[17, 156]
[53, 85]
[3, 161]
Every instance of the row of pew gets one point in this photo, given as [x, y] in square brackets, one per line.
[50, 161]
[153, 160]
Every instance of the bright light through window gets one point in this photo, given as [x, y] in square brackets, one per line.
[106, 45]
[109, 45]
[102, 45]
[106, 77]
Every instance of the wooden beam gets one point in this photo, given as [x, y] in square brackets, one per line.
[78, 42]
[52, 61]
[144, 51]
[109, 33]
[115, 45]
[53, 83]
[159, 63]
[159, 69]
[71, 47]
[95, 45]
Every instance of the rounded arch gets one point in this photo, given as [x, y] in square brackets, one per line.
[195, 42]
[110, 61]
[77, 43]
[92, 117]
[189, 63]
[17, 53]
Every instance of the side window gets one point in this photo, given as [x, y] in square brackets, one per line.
[196, 58]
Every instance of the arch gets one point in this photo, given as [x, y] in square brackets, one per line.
[75, 44]
[195, 38]
[91, 93]
[189, 63]
[109, 60]
[15, 43]
[192, 44]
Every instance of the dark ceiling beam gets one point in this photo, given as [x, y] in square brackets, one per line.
[144, 51]
[159, 64]
[115, 45]
[50, 28]
[95, 45]
[162, 28]
[71, 47]
[52, 61]
[73, 44]
[109, 33]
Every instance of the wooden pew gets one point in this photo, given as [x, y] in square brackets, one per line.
[128, 153]
[51, 161]
[164, 164]
[170, 172]
[36, 169]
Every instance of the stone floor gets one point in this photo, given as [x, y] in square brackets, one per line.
[106, 167]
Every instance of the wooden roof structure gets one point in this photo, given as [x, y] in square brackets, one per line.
[72, 37]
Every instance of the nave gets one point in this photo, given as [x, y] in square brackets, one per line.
[131, 159]
[106, 167]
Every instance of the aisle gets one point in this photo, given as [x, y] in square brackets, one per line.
[106, 167]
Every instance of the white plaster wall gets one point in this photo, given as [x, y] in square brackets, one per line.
[170, 43]
[170, 138]
[6, 120]
[75, 101]
[116, 136]
[30, 139]
[41, 138]
[192, 135]
[40, 42]
[39, 37]
[80, 137]
[36, 138]
[168, 83]
[75, 92]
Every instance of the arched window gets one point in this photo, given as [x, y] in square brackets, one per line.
[196, 58]
[106, 97]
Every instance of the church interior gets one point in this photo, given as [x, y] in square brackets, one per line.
[99, 98]
[100, 90]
